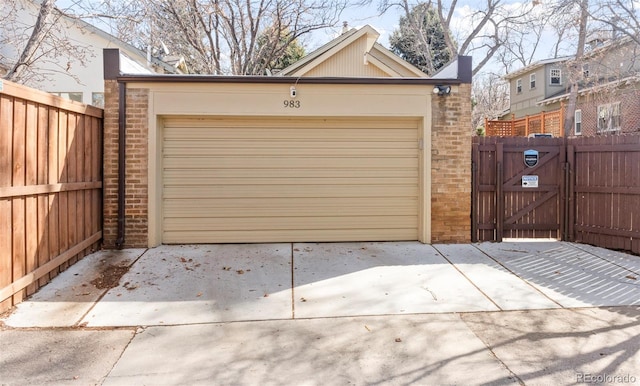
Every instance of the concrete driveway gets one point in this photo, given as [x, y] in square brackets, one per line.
[193, 284]
[325, 314]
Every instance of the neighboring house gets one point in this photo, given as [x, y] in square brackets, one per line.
[348, 144]
[534, 83]
[608, 88]
[63, 74]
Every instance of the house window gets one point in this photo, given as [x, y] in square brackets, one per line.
[555, 76]
[608, 117]
[74, 96]
[532, 81]
[519, 86]
[578, 122]
[97, 99]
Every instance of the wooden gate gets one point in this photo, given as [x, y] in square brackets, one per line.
[513, 200]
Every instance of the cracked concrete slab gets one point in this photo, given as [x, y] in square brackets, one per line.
[60, 357]
[390, 350]
[350, 279]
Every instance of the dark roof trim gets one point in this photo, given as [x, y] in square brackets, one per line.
[282, 79]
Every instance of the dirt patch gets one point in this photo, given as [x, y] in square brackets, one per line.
[109, 277]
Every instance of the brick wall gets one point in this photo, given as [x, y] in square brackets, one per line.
[136, 209]
[451, 166]
[629, 99]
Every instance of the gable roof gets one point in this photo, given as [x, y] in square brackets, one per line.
[535, 65]
[360, 48]
[131, 50]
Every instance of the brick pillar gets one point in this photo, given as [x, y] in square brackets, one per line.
[110, 165]
[136, 165]
[451, 166]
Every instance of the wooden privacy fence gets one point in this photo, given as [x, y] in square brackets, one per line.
[550, 122]
[605, 188]
[588, 190]
[50, 187]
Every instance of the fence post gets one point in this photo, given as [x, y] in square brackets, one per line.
[474, 188]
[570, 192]
[562, 119]
[499, 196]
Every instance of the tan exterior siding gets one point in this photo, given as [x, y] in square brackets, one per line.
[275, 180]
[451, 167]
[348, 62]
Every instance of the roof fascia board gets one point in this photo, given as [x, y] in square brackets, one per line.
[169, 78]
[383, 67]
[415, 70]
[535, 66]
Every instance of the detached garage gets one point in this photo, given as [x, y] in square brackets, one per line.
[338, 147]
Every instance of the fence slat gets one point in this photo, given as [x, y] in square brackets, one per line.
[6, 144]
[43, 200]
[50, 188]
[18, 208]
[31, 202]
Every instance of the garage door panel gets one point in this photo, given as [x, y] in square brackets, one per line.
[259, 123]
[292, 222]
[246, 173]
[299, 133]
[311, 191]
[195, 162]
[290, 235]
[275, 180]
[285, 152]
[363, 143]
[273, 207]
[185, 181]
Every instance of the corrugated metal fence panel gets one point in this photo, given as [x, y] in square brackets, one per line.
[269, 180]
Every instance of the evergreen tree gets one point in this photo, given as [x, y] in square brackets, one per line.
[278, 54]
[420, 39]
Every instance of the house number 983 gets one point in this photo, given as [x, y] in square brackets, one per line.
[291, 104]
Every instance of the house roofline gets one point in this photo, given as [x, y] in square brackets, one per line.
[534, 66]
[162, 78]
[589, 90]
[107, 36]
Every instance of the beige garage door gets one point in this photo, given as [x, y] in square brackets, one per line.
[283, 180]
